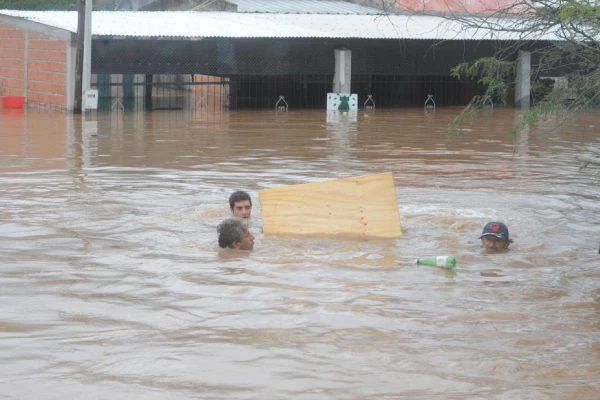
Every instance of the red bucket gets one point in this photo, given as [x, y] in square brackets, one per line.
[13, 101]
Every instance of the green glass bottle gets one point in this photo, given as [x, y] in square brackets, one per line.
[438, 261]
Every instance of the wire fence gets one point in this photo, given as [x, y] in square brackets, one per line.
[131, 92]
[215, 75]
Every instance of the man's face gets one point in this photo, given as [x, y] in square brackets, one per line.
[492, 242]
[242, 209]
[247, 242]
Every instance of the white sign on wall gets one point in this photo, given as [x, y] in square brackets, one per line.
[342, 101]
[90, 99]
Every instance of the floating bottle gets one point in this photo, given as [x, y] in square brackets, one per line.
[438, 261]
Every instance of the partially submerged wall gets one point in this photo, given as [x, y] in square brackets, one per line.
[36, 62]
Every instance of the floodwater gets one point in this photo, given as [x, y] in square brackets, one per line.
[112, 285]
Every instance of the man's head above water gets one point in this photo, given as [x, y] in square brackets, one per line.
[240, 204]
[495, 236]
[234, 234]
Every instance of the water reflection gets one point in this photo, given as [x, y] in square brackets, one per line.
[112, 276]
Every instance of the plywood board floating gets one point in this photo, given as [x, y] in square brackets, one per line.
[362, 205]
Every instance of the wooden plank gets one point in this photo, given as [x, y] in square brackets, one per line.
[362, 205]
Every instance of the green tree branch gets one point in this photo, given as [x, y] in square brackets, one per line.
[38, 5]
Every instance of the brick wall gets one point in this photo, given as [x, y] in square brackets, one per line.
[47, 71]
[46, 78]
[12, 56]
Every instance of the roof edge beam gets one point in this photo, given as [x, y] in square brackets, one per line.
[38, 27]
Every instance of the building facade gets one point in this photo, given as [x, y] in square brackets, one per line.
[221, 60]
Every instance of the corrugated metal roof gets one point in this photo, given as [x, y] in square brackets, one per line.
[240, 25]
[303, 7]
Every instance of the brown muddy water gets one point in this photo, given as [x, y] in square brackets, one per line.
[112, 285]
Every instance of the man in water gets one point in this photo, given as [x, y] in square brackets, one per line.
[495, 236]
[240, 204]
[234, 234]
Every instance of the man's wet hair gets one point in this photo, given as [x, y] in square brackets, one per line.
[240, 195]
[231, 231]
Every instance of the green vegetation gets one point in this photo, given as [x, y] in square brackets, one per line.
[573, 60]
[38, 5]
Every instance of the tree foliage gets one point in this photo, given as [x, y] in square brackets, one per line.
[38, 5]
[563, 37]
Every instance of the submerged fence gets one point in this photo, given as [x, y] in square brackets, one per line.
[130, 92]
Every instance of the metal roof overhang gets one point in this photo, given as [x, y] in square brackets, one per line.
[197, 25]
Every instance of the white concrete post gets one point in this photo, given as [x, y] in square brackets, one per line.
[343, 71]
[87, 52]
[523, 79]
